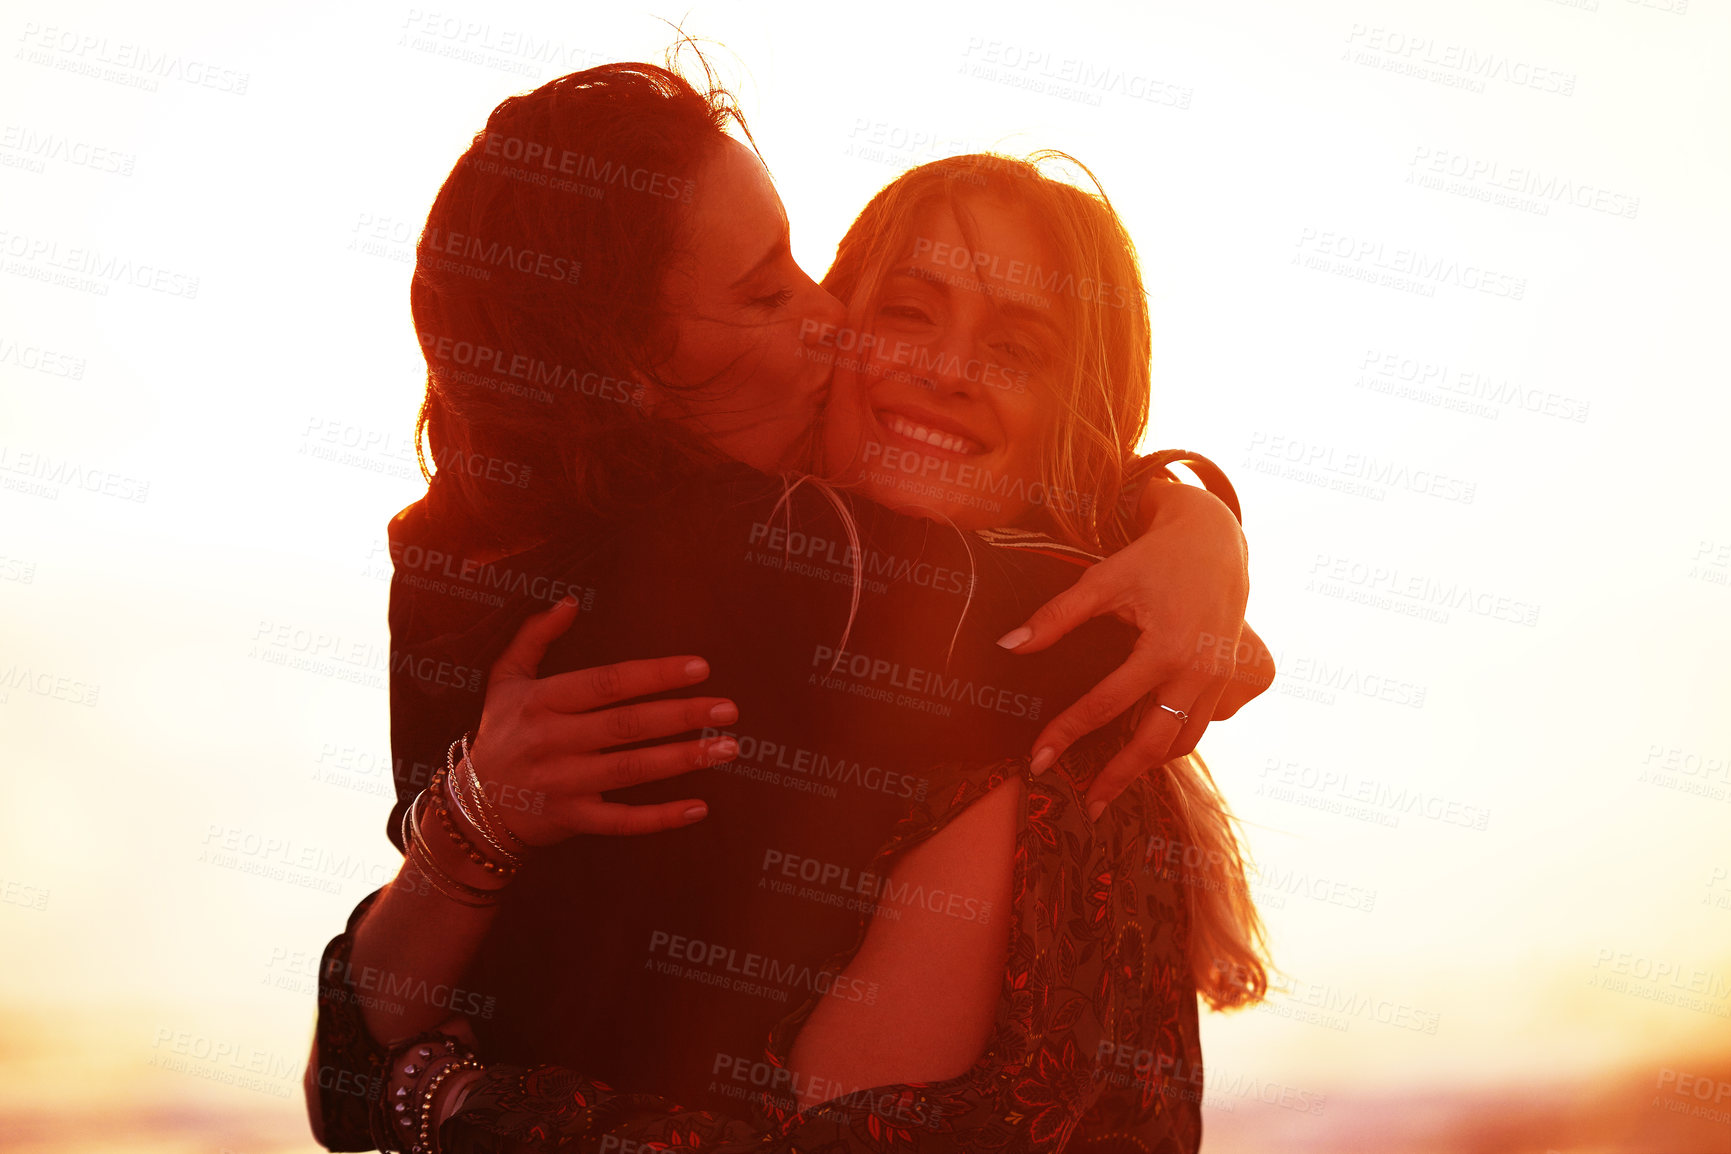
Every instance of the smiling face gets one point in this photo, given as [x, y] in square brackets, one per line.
[948, 409]
[745, 372]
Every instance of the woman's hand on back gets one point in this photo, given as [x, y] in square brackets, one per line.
[547, 746]
[1184, 584]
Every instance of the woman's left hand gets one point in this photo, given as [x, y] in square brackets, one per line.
[1184, 585]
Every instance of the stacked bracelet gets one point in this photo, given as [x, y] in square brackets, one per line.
[414, 1104]
[495, 825]
[476, 812]
[485, 818]
[417, 854]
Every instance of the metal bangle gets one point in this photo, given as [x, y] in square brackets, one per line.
[477, 819]
[485, 807]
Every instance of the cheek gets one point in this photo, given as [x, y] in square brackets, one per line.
[704, 349]
[844, 419]
[1026, 419]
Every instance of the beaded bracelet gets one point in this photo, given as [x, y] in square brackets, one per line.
[429, 1130]
[413, 1095]
[438, 788]
[421, 859]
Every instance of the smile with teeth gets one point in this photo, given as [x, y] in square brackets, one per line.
[949, 442]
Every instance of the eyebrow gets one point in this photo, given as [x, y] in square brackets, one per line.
[1018, 314]
[1038, 318]
[782, 247]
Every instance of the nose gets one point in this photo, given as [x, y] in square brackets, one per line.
[949, 363]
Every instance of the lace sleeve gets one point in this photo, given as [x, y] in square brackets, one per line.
[345, 1077]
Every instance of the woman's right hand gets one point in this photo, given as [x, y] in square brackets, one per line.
[542, 751]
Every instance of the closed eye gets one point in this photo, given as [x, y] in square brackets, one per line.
[774, 300]
[907, 313]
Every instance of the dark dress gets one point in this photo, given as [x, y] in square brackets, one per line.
[649, 989]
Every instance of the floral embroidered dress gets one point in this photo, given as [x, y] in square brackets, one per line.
[874, 709]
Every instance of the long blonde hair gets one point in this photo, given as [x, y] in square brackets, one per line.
[1104, 404]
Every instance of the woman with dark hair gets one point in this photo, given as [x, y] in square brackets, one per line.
[612, 499]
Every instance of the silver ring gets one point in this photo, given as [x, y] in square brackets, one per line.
[1183, 718]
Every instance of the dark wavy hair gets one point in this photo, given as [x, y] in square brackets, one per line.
[537, 301]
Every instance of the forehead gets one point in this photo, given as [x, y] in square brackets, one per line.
[736, 216]
[976, 236]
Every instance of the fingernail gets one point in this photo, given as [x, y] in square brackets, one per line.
[568, 599]
[1095, 810]
[1043, 759]
[697, 813]
[724, 712]
[697, 667]
[1016, 637]
[722, 749]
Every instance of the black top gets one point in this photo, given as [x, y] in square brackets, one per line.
[843, 726]
[633, 982]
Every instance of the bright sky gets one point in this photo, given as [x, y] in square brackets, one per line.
[1440, 286]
